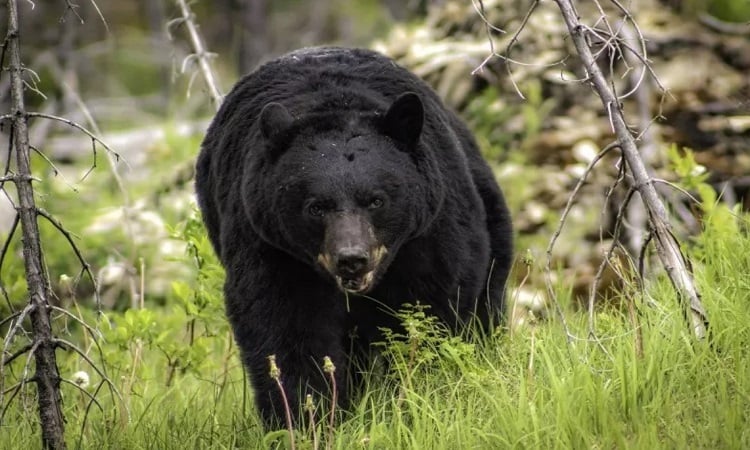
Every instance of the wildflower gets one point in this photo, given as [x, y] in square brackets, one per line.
[81, 379]
[275, 372]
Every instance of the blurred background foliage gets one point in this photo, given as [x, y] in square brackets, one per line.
[122, 70]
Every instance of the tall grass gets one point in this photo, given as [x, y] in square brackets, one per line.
[532, 389]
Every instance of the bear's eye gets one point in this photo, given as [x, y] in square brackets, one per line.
[315, 209]
[375, 203]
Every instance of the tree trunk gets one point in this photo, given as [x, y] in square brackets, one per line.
[46, 376]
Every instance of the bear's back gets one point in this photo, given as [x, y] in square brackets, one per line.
[326, 77]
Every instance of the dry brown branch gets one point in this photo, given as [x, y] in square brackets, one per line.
[668, 249]
[514, 38]
[16, 388]
[479, 8]
[96, 334]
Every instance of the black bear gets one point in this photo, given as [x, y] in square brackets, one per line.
[335, 187]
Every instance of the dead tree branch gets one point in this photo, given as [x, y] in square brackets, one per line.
[201, 55]
[667, 247]
[46, 377]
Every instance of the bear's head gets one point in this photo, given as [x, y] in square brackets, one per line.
[343, 190]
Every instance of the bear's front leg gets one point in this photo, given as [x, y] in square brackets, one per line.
[299, 322]
[300, 372]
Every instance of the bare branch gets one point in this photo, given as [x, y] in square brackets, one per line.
[12, 331]
[558, 230]
[668, 248]
[96, 334]
[84, 392]
[18, 353]
[74, 247]
[480, 10]
[9, 318]
[73, 9]
[6, 244]
[77, 126]
[606, 260]
[70, 346]
[88, 409]
[53, 166]
[739, 29]
[514, 39]
[16, 388]
[200, 53]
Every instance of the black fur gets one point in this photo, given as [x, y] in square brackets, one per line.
[347, 139]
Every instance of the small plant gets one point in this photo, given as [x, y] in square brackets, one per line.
[416, 345]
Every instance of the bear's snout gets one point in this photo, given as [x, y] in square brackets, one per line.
[352, 262]
[351, 253]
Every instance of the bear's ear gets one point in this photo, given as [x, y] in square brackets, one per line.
[404, 119]
[274, 120]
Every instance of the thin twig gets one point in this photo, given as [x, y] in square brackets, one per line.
[78, 127]
[514, 39]
[20, 317]
[607, 257]
[18, 353]
[10, 318]
[16, 388]
[74, 247]
[8, 240]
[88, 409]
[96, 334]
[65, 344]
[54, 167]
[556, 234]
[85, 392]
[200, 52]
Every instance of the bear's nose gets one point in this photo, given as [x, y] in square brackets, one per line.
[352, 261]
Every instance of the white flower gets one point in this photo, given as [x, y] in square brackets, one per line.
[81, 379]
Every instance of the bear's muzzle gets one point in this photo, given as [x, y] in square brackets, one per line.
[351, 253]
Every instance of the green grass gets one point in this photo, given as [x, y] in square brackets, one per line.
[531, 389]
